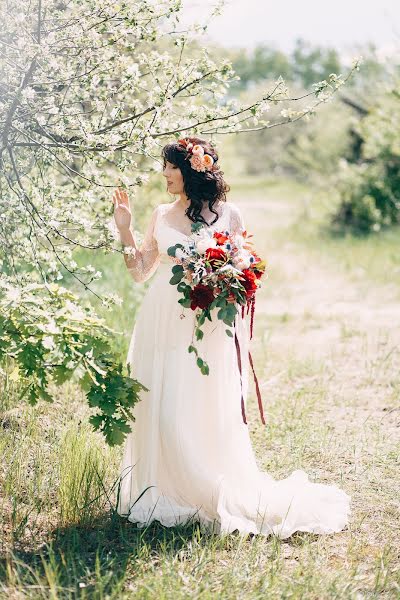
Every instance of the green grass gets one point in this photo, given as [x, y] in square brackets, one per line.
[326, 348]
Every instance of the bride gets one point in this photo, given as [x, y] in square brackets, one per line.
[189, 455]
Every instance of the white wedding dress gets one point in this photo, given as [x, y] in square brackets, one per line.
[189, 456]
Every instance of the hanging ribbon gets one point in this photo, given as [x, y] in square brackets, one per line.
[260, 406]
[240, 371]
[239, 360]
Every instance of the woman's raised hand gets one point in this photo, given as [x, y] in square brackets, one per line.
[122, 211]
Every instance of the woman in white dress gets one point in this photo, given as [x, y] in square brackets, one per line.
[189, 456]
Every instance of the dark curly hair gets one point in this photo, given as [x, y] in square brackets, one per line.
[199, 186]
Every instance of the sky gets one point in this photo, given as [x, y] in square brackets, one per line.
[343, 24]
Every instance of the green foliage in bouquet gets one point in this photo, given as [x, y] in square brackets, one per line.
[45, 335]
[227, 311]
[226, 300]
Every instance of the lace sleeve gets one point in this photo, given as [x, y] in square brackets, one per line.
[142, 262]
[236, 220]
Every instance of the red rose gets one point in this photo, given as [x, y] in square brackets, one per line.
[215, 254]
[249, 282]
[220, 237]
[201, 296]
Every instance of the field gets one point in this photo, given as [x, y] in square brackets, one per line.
[327, 352]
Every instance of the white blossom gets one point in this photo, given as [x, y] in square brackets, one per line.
[48, 342]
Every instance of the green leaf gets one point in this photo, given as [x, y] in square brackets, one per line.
[229, 332]
[61, 374]
[231, 309]
[176, 278]
[199, 334]
[177, 268]
[186, 302]
[228, 321]
[195, 227]
[213, 304]
[221, 313]
[96, 421]
[171, 251]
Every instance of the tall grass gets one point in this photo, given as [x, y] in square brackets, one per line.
[80, 493]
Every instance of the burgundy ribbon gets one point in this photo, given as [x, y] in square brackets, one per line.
[239, 360]
[260, 406]
[240, 371]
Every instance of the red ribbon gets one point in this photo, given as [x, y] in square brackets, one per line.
[240, 371]
[260, 406]
[239, 360]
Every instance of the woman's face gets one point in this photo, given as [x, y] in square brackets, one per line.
[174, 178]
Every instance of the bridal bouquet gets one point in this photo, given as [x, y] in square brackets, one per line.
[216, 269]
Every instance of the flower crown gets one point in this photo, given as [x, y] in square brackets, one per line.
[199, 160]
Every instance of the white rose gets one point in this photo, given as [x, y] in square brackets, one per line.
[205, 243]
[242, 260]
[240, 264]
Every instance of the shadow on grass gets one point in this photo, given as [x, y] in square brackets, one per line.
[103, 554]
[111, 552]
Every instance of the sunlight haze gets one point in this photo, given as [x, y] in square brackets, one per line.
[344, 25]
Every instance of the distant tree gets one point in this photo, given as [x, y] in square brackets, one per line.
[369, 186]
[305, 65]
[312, 63]
[263, 63]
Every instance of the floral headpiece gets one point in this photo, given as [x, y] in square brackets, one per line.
[199, 160]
